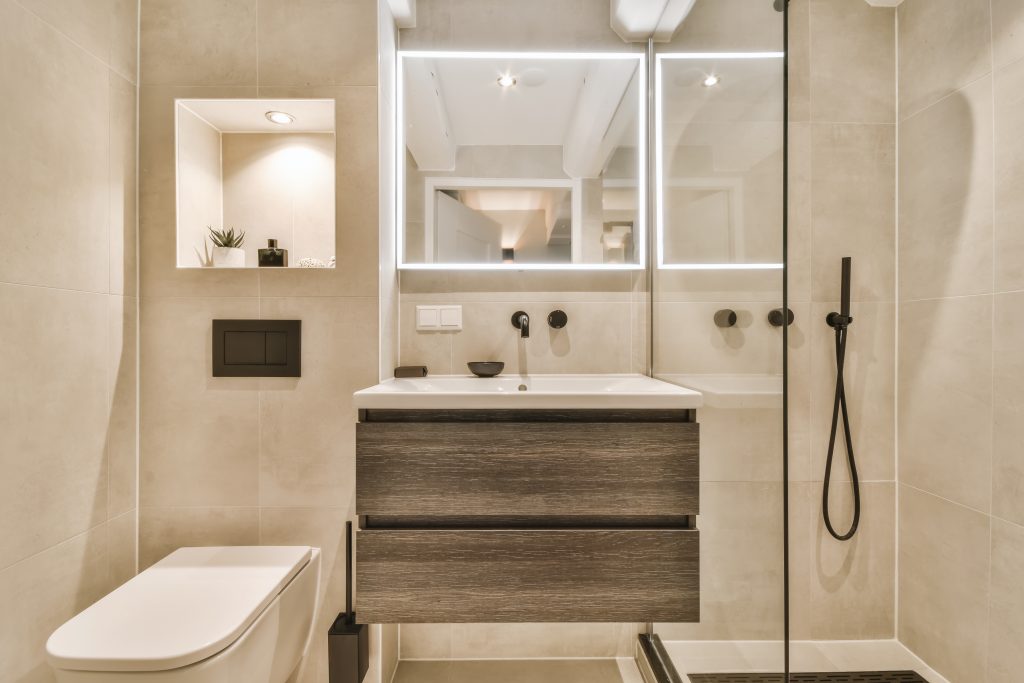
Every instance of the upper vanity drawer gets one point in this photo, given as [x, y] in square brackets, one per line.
[527, 469]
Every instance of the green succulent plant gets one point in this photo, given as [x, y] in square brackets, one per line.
[226, 238]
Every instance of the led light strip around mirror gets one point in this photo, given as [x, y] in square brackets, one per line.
[643, 149]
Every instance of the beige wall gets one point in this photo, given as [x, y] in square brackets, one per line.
[841, 203]
[961, 243]
[68, 301]
[244, 461]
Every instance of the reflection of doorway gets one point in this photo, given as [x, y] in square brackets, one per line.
[471, 220]
[468, 235]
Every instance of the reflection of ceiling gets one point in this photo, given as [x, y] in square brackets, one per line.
[249, 116]
[586, 106]
[738, 121]
[535, 111]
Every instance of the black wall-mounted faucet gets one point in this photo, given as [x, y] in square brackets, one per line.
[521, 321]
[725, 317]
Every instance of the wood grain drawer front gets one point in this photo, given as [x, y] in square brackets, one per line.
[546, 469]
[583, 575]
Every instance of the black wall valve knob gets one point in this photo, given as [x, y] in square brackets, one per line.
[776, 318]
[725, 317]
[557, 319]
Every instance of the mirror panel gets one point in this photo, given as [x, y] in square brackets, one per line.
[521, 160]
[719, 147]
[264, 168]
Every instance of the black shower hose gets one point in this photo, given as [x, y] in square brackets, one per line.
[840, 404]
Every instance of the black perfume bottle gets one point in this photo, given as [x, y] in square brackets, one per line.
[272, 256]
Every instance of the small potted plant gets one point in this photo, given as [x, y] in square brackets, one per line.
[227, 248]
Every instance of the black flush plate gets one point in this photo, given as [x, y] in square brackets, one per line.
[257, 348]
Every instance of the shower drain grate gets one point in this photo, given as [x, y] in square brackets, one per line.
[831, 677]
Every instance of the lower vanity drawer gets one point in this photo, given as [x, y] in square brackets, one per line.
[510, 575]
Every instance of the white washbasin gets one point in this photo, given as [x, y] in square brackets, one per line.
[732, 391]
[457, 392]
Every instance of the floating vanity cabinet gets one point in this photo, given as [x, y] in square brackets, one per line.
[527, 516]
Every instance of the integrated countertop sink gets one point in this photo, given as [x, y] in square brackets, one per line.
[539, 392]
[732, 391]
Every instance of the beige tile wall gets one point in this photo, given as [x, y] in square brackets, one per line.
[842, 186]
[961, 469]
[68, 301]
[248, 460]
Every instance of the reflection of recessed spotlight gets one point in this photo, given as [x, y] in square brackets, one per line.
[711, 80]
[279, 117]
[506, 81]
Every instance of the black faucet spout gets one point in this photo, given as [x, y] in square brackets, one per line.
[521, 321]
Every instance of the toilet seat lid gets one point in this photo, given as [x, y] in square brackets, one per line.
[188, 606]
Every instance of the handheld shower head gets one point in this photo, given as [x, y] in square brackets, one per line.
[844, 295]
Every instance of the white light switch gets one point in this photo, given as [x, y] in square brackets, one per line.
[428, 318]
[451, 317]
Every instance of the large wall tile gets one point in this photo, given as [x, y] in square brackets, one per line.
[945, 398]
[799, 48]
[943, 46]
[1007, 31]
[122, 396]
[943, 584]
[299, 45]
[852, 584]
[198, 42]
[307, 425]
[49, 155]
[123, 188]
[486, 25]
[200, 434]
[1008, 403]
[854, 62]
[164, 530]
[686, 339]
[1006, 604]
[870, 381]
[123, 539]
[852, 209]
[945, 242]
[1009, 177]
[41, 593]
[53, 417]
[596, 339]
[740, 564]
[729, 26]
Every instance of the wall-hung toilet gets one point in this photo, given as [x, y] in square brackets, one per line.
[200, 615]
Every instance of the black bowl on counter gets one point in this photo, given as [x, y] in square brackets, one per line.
[487, 368]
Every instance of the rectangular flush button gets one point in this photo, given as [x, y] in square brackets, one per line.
[257, 348]
[428, 318]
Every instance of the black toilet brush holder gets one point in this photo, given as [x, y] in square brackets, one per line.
[348, 643]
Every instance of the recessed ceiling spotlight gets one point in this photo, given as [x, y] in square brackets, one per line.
[711, 80]
[280, 117]
[506, 81]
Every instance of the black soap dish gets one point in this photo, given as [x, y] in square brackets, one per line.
[488, 368]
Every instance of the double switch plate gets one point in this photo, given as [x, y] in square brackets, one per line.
[443, 318]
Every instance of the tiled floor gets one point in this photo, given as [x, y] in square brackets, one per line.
[756, 656]
[519, 671]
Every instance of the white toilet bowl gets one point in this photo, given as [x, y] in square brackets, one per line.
[200, 615]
